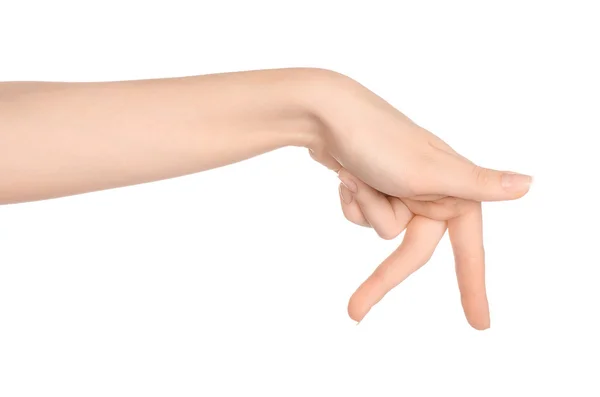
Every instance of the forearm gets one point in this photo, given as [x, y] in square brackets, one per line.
[59, 139]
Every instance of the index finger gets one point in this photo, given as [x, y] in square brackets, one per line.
[421, 238]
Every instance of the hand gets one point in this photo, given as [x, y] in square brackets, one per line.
[382, 157]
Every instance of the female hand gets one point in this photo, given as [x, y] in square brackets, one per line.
[397, 175]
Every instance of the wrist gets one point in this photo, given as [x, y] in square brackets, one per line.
[324, 96]
[286, 107]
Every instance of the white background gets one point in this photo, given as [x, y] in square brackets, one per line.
[235, 282]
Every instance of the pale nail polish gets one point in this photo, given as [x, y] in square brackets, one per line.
[515, 182]
[345, 194]
[349, 183]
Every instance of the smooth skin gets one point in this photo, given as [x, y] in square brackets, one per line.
[59, 139]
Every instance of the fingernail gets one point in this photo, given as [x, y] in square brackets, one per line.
[349, 183]
[513, 182]
[345, 194]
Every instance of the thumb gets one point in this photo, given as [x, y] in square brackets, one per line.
[459, 177]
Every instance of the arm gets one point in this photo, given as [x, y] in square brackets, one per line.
[60, 139]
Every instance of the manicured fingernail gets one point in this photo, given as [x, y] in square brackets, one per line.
[345, 194]
[349, 183]
[513, 182]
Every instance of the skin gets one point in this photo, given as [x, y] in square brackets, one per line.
[59, 139]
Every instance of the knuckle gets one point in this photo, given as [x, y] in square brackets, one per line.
[354, 217]
[356, 220]
[448, 213]
[451, 208]
[388, 233]
[482, 176]
[348, 214]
